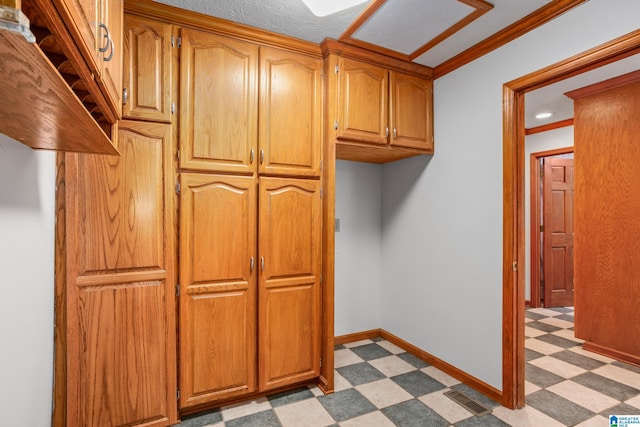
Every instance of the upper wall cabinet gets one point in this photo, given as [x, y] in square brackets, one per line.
[379, 113]
[290, 135]
[218, 103]
[147, 69]
[96, 25]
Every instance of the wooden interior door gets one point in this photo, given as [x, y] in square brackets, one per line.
[120, 292]
[289, 285]
[219, 103]
[363, 102]
[290, 113]
[217, 288]
[147, 69]
[411, 111]
[558, 232]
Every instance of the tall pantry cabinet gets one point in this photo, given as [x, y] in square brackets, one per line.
[250, 242]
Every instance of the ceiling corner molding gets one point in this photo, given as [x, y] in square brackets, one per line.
[510, 33]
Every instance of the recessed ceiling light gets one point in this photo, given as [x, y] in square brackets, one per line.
[543, 116]
[327, 7]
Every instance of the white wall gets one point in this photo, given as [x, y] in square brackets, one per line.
[544, 141]
[442, 234]
[27, 201]
[358, 266]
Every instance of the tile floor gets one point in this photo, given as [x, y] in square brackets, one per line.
[378, 384]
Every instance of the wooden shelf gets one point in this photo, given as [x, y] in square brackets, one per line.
[374, 154]
[38, 106]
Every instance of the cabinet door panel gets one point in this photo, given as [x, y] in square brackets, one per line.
[120, 295]
[217, 279]
[289, 289]
[111, 76]
[147, 65]
[219, 103]
[290, 113]
[411, 111]
[363, 102]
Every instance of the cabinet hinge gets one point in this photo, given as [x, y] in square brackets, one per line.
[173, 41]
[179, 42]
[178, 155]
[335, 124]
[541, 173]
[173, 108]
[542, 228]
[177, 290]
[177, 394]
[337, 68]
[177, 188]
[176, 42]
[514, 266]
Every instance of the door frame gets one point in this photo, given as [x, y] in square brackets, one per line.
[513, 198]
[535, 220]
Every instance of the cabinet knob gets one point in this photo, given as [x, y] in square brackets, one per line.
[386, 132]
[125, 96]
[261, 156]
[108, 43]
[262, 262]
[253, 263]
[251, 156]
[395, 133]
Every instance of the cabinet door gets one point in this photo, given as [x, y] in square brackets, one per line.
[362, 100]
[219, 103]
[147, 69]
[111, 75]
[290, 113]
[289, 285]
[217, 288]
[82, 18]
[411, 111]
[121, 332]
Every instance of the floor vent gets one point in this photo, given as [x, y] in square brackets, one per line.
[469, 404]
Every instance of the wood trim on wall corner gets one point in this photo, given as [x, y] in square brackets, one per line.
[356, 336]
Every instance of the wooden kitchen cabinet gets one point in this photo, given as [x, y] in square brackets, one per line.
[115, 271]
[147, 80]
[218, 295]
[289, 314]
[380, 114]
[290, 118]
[218, 103]
[97, 27]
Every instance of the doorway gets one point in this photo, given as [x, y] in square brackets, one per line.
[551, 231]
[513, 198]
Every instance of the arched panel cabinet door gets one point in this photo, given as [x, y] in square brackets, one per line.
[217, 288]
[289, 281]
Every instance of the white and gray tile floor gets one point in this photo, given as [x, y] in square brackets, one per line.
[378, 384]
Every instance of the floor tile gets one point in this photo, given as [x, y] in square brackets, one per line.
[384, 393]
[621, 409]
[291, 396]
[558, 367]
[488, 420]
[627, 366]
[530, 387]
[360, 373]
[340, 383]
[390, 347]
[530, 355]
[373, 419]
[544, 327]
[576, 359]
[440, 376]
[414, 413]
[620, 375]
[201, 420]
[568, 334]
[533, 332]
[525, 417]
[358, 343]
[569, 317]
[597, 421]
[346, 357]
[546, 312]
[557, 341]
[417, 383]
[606, 386]
[592, 355]
[475, 395]
[370, 351]
[445, 407]
[346, 404]
[558, 408]
[583, 396]
[530, 315]
[541, 347]
[541, 377]
[558, 323]
[305, 413]
[392, 366]
[245, 408]
[413, 360]
[260, 419]
[634, 401]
